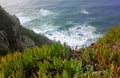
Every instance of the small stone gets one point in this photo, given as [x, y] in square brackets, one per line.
[78, 28]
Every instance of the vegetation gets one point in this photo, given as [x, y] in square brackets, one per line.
[100, 60]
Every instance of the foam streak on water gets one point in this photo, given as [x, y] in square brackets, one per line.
[83, 11]
[44, 12]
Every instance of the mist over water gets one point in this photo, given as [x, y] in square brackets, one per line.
[74, 22]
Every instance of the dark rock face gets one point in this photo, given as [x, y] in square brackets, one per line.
[16, 37]
[4, 45]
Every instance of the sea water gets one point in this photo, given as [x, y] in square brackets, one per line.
[74, 22]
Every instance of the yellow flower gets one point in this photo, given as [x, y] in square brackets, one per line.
[17, 54]
[9, 58]
[3, 59]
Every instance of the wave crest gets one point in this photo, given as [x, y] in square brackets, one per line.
[84, 11]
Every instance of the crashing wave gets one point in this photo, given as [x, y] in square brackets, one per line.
[23, 19]
[80, 36]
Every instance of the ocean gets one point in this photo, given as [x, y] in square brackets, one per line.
[74, 22]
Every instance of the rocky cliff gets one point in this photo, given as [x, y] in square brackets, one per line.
[14, 37]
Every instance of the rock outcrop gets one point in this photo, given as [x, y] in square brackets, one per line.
[14, 37]
[4, 45]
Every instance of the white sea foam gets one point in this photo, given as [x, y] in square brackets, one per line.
[79, 36]
[44, 12]
[44, 28]
[23, 19]
[84, 11]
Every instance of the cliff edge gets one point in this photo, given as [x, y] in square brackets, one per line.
[14, 37]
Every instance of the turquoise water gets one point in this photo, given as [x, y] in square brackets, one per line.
[75, 22]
